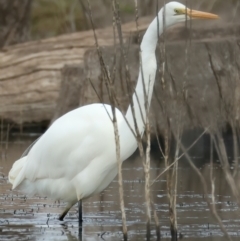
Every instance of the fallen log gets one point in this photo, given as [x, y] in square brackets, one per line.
[30, 73]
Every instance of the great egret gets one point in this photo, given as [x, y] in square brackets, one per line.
[75, 158]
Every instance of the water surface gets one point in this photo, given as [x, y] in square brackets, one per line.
[35, 218]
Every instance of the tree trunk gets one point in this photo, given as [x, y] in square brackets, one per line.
[14, 21]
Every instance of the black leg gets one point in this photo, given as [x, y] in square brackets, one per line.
[80, 212]
[80, 219]
[62, 216]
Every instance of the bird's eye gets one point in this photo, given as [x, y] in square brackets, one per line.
[177, 11]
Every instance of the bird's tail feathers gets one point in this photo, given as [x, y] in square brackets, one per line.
[15, 175]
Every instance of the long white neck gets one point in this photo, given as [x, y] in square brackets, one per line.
[146, 78]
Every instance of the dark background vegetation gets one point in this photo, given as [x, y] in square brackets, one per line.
[36, 19]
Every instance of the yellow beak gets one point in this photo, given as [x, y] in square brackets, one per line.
[200, 15]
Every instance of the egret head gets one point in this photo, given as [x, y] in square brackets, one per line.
[175, 12]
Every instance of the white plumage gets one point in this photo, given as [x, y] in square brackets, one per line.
[75, 158]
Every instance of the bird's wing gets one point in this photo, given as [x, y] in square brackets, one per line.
[71, 143]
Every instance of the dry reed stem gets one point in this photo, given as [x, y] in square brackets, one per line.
[112, 97]
[136, 20]
[158, 141]
[120, 177]
[4, 154]
[212, 207]
[4, 139]
[172, 189]
[235, 11]
[188, 25]
[147, 127]
[222, 153]
[156, 220]
[1, 140]
[163, 47]
[128, 77]
[85, 14]
[7, 140]
[147, 170]
[179, 157]
[146, 164]
[235, 150]
[170, 186]
[175, 178]
[171, 174]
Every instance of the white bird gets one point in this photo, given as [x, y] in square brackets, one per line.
[76, 158]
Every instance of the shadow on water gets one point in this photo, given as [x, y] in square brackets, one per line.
[35, 218]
